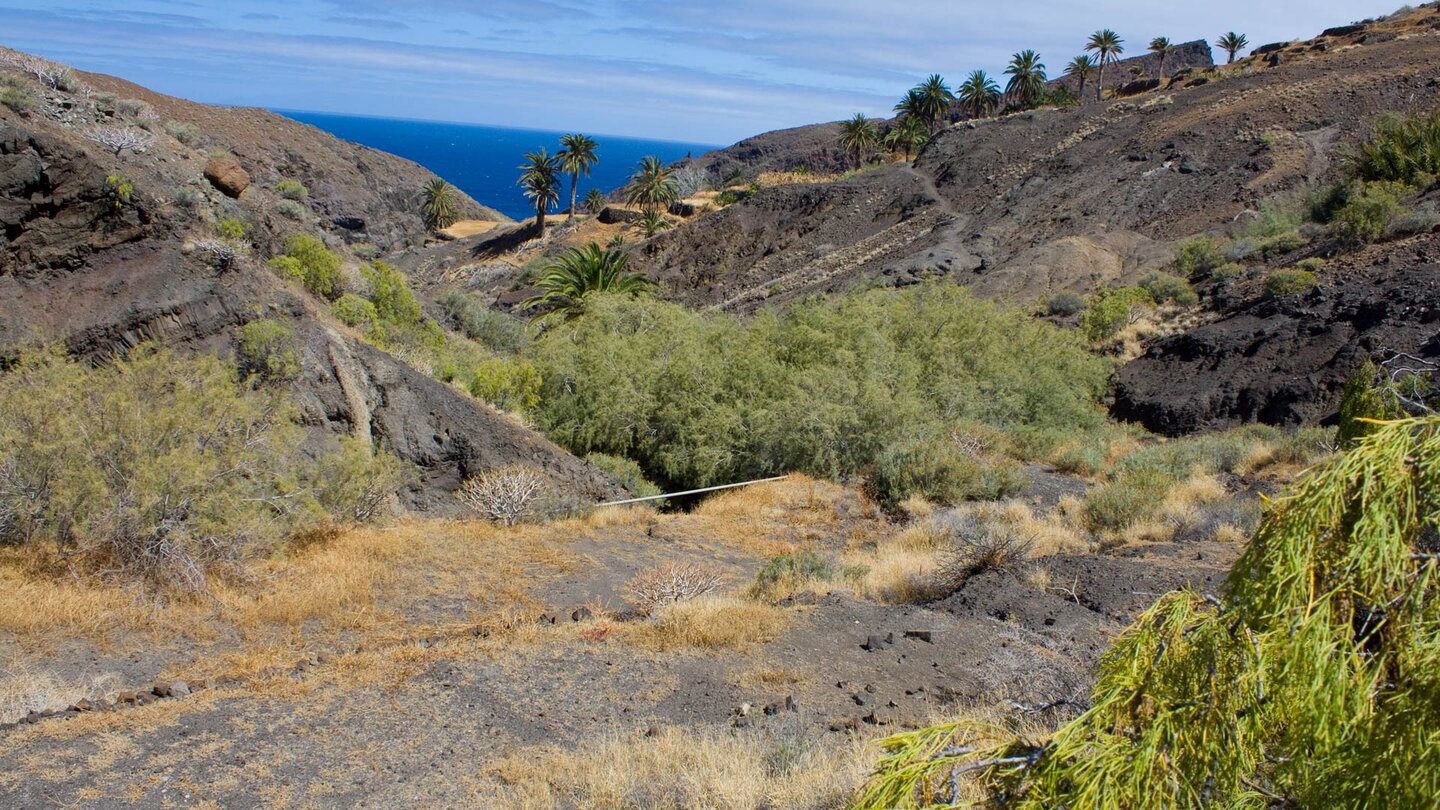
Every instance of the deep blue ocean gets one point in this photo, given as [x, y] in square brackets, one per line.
[481, 160]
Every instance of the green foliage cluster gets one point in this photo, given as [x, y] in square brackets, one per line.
[292, 190]
[14, 95]
[1289, 282]
[269, 350]
[471, 317]
[291, 210]
[121, 190]
[231, 228]
[793, 569]
[508, 383]
[842, 387]
[357, 311]
[582, 272]
[306, 260]
[1064, 303]
[1110, 311]
[439, 206]
[1368, 211]
[1363, 402]
[1164, 288]
[1404, 150]
[164, 467]
[1311, 680]
[1197, 258]
[628, 473]
[188, 134]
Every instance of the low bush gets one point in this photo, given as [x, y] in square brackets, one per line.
[1110, 311]
[477, 321]
[269, 350]
[292, 210]
[628, 473]
[306, 260]
[504, 496]
[1197, 257]
[1290, 282]
[292, 190]
[1368, 213]
[391, 295]
[188, 197]
[977, 545]
[1362, 404]
[231, 228]
[510, 384]
[1228, 271]
[1323, 203]
[353, 310]
[161, 467]
[1425, 219]
[1164, 288]
[790, 571]
[15, 96]
[1064, 304]
[188, 134]
[1404, 150]
[670, 584]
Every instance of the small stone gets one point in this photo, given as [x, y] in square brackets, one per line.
[771, 709]
[581, 614]
[546, 618]
[83, 705]
[790, 704]
[926, 636]
[126, 696]
[873, 643]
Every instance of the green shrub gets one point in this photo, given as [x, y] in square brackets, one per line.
[1280, 244]
[1368, 212]
[1404, 150]
[1276, 217]
[1312, 264]
[1227, 271]
[1323, 203]
[1361, 401]
[792, 570]
[157, 466]
[1128, 499]
[475, 320]
[1197, 258]
[508, 384]
[306, 260]
[188, 134]
[1289, 282]
[1110, 311]
[15, 96]
[291, 210]
[1164, 288]
[269, 350]
[628, 473]
[825, 387]
[935, 469]
[187, 197]
[352, 310]
[231, 228]
[120, 190]
[1064, 304]
[292, 190]
[390, 293]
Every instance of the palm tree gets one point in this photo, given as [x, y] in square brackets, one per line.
[980, 95]
[652, 223]
[912, 105]
[651, 186]
[582, 271]
[1027, 78]
[576, 158]
[540, 180]
[858, 137]
[935, 98]
[1081, 66]
[908, 134]
[1107, 46]
[596, 201]
[1161, 47]
[439, 210]
[1232, 43]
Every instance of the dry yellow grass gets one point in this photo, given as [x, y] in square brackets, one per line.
[683, 769]
[712, 622]
[469, 227]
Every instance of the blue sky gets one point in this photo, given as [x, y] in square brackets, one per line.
[706, 72]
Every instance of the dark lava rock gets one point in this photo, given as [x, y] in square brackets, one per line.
[610, 215]
[349, 223]
[1343, 30]
[1271, 48]
[683, 209]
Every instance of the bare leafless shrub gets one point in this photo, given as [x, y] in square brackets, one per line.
[51, 74]
[505, 496]
[671, 583]
[222, 253]
[119, 138]
[689, 180]
[978, 544]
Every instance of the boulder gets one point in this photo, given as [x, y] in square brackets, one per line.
[1343, 30]
[227, 175]
[1271, 48]
[683, 209]
[349, 223]
[610, 215]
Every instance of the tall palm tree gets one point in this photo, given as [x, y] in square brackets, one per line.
[859, 138]
[577, 156]
[540, 180]
[1027, 78]
[912, 105]
[596, 201]
[1107, 46]
[907, 135]
[439, 209]
[1232, 43]
[1082, 67]
[935, 99]
[651, 186]
[980, 94]
[582, 271]
[1161, 47]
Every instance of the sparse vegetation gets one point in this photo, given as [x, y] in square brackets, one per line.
[505, 496]
[653, 222]
[670, 584]
[1110, 311]
[1368, 212]
[1197, 258]
[292, 190]
[477, 321]
[269, 350]
[1064, 304]
[1289, 282]
[188, 134]
[121, 191]
[307, 261]
[1164, 288]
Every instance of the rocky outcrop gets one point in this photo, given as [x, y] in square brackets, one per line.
[225, 174]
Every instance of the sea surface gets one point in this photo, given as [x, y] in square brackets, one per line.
[482, 160]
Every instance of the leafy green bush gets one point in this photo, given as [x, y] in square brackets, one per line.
[15, 96]
[1167, 289]
[292, 190]
[188, 134]
[628, 473]
[1065, 303]
[1227, 271]
[1323, 203]
[161, 467]
[231, 228]
[936, 469]
[1312, 679]
[477, 321]
[352, 310]
[825, 387]
[1198, 257]
[269, 350]
[120, 190]
[1404, 150]
[1368, 212]
[508, 384]
[1110, 311]
[1312, 264]
[793, 569]
[291, 210]
[1290, 282]
[1361, 402]
[390, 293]
[307, 261]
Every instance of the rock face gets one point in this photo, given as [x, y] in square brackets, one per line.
[101, 274]
[225, 174]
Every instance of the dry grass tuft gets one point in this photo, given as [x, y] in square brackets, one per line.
[711, 622]
[684, 769]
[25, 688]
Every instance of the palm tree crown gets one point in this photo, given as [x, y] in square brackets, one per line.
[1232, 43]
[577, 156]
[908, 135]
[936, 97]
[1082, 67]
[1161, 47]
[582, 271]
[858, 137]
[439, 209]
[1107, 46]
[980, 95]
[540, 180]
[596, 201]
[651, 186]
[1027, 78]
